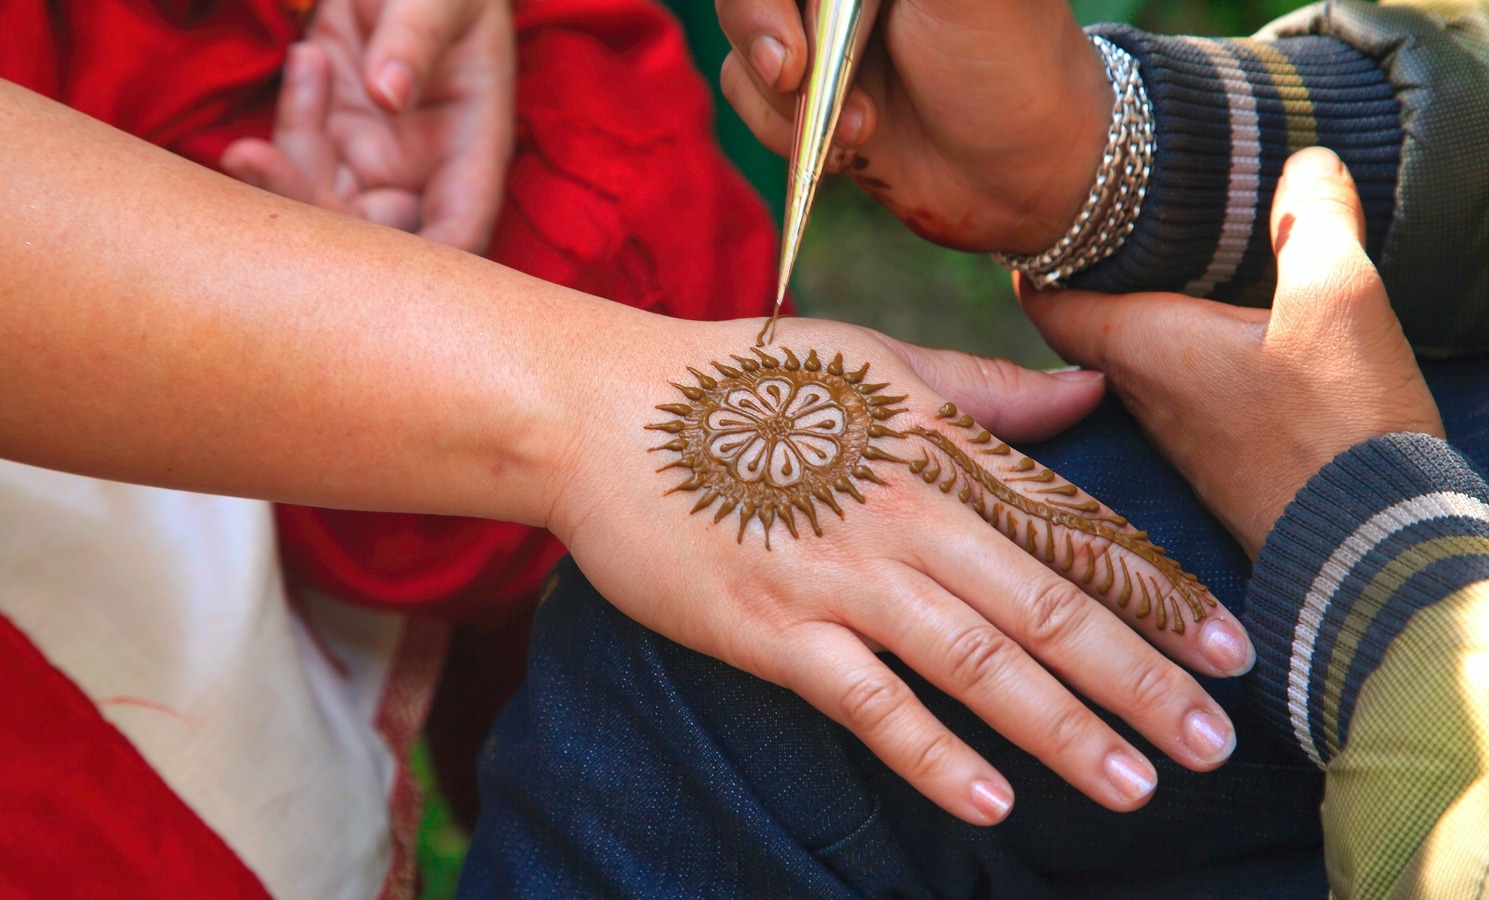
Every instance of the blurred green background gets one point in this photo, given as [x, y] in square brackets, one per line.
[859, 264]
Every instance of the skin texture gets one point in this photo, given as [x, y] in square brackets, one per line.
[979, 124]
[1248, 404]
[399, 112]
[170, 326]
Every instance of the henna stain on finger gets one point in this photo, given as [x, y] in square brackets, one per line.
[770, 437]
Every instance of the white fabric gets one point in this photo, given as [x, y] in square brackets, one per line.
[167, 610]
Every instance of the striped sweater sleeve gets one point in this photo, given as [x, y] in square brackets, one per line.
[1369, 606]
[1228, 113]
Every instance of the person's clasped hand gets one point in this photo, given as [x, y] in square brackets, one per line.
[979, 124]
[396, 111]
[1248, 404]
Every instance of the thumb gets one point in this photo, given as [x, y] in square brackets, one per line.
[1015, 403]
[1318, 234]
[408, 40]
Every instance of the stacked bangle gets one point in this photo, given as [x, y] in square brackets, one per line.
[1116, 199]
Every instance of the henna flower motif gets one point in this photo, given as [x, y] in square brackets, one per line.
[773, 437]
[776, 431]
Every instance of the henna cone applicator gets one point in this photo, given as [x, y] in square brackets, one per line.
[837, 31]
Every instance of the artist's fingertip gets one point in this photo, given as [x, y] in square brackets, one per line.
[768, 56]
[851, 125]
[394, 84]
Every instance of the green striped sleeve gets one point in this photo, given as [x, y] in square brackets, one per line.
[1369, 606]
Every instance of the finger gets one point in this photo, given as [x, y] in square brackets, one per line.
[300, 122]
[1007, 399]
[770, 34]
[960, 652]
[410, 37]
[771, 126]
[1318, 228]
[1061, 623]
[833, 670]
[265, 166]
[463, 196]
[392, 207]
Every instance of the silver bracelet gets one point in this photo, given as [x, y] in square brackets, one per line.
[1116, 199]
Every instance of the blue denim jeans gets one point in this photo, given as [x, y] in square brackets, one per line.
[629, 766]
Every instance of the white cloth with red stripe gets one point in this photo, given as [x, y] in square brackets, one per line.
[167, 609]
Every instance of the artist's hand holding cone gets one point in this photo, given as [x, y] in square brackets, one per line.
[894, 520]
[1249, 403]
[979, 123]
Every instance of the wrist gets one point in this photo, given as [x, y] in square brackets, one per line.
[1050, 182]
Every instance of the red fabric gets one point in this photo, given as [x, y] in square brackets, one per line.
[618, 189]
[81, 812]
[185, 74]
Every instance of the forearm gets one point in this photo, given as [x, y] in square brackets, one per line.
[1370, 609]
[166, 325]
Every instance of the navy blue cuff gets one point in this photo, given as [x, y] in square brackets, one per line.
[1389, 527]
[1228, 113]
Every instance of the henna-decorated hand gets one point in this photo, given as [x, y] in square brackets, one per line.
[1248, 404]
[786, 509]
[979, 123]
[396, 111]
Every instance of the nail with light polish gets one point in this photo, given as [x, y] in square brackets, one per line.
[991, 800]
[1210, 738]
[1134, 779]
[1227, 647]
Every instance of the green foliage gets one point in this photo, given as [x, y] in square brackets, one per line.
[442, 843]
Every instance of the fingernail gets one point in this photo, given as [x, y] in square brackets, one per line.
[768, 56]
[1208, 737]
[395, 81]
[1134, 779]
[1227, 647]
[850, 128]
[1315, 162]
[991, 800]
[1074, 374]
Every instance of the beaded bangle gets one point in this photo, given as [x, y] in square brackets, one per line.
[1111, 210]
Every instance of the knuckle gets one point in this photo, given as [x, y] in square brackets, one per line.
[1067, 730]
[979, 655]
[872, 700]
[933, 758]
[1153, 687]
[1053, 612]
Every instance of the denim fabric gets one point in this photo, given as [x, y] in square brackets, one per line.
[631, 767]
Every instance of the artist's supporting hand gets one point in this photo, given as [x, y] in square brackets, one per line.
[980, 124]
[1248, 404]
[396, 111]
[991, 602]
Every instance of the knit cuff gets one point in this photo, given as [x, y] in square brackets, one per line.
[1228, 113]
[1386, 529]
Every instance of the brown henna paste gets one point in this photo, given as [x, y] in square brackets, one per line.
[772, 437]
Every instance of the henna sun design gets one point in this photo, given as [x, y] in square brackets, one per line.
[772, 437]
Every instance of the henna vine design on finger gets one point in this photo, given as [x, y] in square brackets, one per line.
[772, 437]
